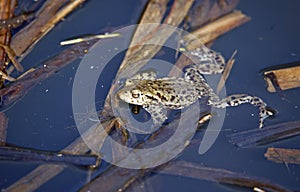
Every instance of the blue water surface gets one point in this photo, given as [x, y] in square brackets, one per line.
[43, 119]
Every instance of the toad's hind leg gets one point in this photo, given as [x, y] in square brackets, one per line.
[202, 87]
[147, 75]
[238, 99]
[206, 61]
[144, 75]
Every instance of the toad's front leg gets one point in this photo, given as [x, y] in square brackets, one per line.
[158, 114]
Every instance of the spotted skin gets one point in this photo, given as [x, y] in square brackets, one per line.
[206, 61]
[156, 95]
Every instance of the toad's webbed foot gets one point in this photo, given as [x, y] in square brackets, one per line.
[144, 75]
[207, 61]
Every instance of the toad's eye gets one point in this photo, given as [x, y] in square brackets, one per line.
[135, 93]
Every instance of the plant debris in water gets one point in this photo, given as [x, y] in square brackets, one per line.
[287, 156]
[116, 178]
[267, 135]
[21, 154]
[283, 78]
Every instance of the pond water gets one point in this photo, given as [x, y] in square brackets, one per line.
[43, 119]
